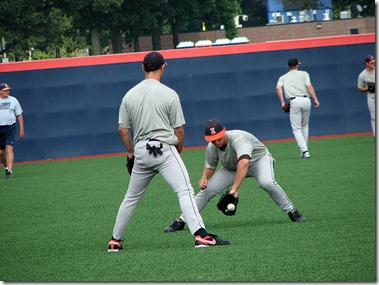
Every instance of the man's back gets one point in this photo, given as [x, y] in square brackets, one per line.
[295, 83]
[152, 110]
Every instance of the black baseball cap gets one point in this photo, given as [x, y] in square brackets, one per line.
[4, 86]
[369, 58]
[293, 62]
[214, 130]
[153, 59]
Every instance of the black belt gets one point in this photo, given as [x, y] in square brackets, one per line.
[305, 96]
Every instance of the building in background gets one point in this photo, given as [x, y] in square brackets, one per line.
[287, 12]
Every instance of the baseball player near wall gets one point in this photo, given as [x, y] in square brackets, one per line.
[154, 112]
[241, 156]
[366, 84]
[10, 113]
[297, 91]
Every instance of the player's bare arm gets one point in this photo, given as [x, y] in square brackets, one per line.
[127, 140]
[207, 173]
[242, 167]
[363, 89]
[312, 91]
[279, 92]
[179, 133]
[20, 120]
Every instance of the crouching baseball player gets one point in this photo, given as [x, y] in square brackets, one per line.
[241, 155]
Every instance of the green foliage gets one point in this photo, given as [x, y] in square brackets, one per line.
[66, 28]
[57, 218]
[257, 13]
[39, 26]
[368, 8]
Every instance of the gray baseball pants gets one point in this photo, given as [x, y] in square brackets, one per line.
[299, 117]
[371, 108]
[262, 170]
[174, 172]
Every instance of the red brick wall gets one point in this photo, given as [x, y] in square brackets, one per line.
[272, 32]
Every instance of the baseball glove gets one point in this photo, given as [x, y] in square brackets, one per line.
[371, 87]
[286, 108]
[224, 201]
[129, 164]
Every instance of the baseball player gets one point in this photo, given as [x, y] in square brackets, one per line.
[10, 112]
[241, 155]
[366, 84]
[298, 90]
[154, 112]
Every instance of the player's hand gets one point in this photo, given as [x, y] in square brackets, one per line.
[234, 192]
[22, 134]
[317, 103]
[203, 183]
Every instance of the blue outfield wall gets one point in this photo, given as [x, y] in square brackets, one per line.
[73, 111]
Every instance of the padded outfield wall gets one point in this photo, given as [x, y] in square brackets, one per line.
[71, 105]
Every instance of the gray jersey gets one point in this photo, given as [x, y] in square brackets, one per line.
[295, 83]
[365, 77]
[136, 112]
[239, 143]
[10, 108]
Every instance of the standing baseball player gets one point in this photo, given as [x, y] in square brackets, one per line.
[241, 156]
[366, 84]
[298, 90]
[154, 112]
[10, 112]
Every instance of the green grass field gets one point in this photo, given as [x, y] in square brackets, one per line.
[57, 218]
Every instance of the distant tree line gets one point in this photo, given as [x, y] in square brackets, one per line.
[47, 29]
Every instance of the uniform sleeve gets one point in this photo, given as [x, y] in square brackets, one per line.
[280, 81]
[17, 109]
[307, 78]
[242, 147]
[123, 116]
[361, 83]
[211, 157]
[176, 113]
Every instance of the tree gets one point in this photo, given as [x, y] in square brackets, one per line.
[178, 14]
[93, 16]
[256, 11]
[368, 8]
[37, 25]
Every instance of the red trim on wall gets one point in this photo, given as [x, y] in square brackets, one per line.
[190, 52]
[193, 148]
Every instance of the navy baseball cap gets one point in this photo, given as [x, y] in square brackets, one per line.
[4, 86]
[293, 62]
[214, 130]
[369, 58]
[153, 59]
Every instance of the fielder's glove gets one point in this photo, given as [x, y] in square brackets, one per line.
[129, 164]
[286, 108]
[224, 201]
[371, 87]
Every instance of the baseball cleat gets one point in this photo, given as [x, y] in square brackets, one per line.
[115, 245]
[305, 154]
[177, 225]
[209, 240]
[8, 174]
[296, 216]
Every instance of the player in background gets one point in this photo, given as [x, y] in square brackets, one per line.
[366, 84]
[10, 112]
[298, 90]
[241, 156]
[154, 113]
